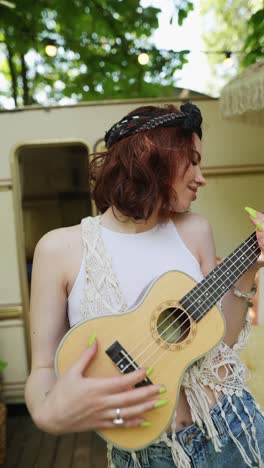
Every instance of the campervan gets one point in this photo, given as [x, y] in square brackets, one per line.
[44, 156]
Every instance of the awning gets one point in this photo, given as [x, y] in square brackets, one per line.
[243, 97]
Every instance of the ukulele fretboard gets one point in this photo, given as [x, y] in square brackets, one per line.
[205, 294]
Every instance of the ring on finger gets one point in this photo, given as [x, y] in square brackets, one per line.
[118, 421]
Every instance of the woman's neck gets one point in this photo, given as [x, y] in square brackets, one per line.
[116, 221]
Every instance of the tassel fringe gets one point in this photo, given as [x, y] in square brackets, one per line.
[135, 460]
[109, 456]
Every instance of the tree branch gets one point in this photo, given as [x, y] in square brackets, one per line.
[13, 73]
[26, 97]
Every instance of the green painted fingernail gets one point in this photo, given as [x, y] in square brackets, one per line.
[259, 227]
[160, 403]
[162, 390]
[251, 212]
[149, 371]
[92, 339]
[145, 424]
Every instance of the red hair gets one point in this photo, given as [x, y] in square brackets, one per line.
[135, 175]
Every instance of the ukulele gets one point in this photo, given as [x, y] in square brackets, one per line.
[175, 323]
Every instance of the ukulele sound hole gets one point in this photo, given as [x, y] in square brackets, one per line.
[173, 325]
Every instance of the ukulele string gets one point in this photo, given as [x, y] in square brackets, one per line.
[175, 331]
[161, 356]
[171, 325]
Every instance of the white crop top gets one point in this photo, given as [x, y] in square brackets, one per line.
[137, 259]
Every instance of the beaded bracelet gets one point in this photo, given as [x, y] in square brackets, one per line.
[245, 296]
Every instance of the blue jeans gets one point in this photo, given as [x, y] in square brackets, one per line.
[199, 448]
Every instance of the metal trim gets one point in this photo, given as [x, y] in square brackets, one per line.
[243, 169]
[11, 311]
[110, 102]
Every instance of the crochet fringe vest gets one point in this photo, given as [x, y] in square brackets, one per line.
[102, 293]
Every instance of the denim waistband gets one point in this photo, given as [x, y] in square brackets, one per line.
[229, 414]
[225, 417]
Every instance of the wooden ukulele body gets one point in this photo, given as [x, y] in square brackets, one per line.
[138, 333]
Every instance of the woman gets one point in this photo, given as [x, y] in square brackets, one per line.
[144, 185]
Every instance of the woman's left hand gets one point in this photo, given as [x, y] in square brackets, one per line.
[257, 217]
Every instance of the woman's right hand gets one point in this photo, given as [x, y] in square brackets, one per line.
[77, 403]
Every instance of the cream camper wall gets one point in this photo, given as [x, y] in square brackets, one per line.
[43, 185]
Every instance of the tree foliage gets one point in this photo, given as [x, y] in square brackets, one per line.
[98, 43]
[226, 25]
[254, 42]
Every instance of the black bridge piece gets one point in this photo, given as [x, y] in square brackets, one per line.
[124, 362]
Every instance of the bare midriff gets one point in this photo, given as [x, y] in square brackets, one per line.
[183, 416]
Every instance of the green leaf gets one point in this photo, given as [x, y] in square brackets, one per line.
[257, 18]
[3, 365]
[182, 14]
[190, 6]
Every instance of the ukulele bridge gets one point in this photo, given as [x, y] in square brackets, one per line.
[124, 362]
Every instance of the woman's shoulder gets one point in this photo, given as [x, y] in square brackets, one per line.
[60, 247]
[192, 220]
[197, 234]
[58, 254]
[58, 239]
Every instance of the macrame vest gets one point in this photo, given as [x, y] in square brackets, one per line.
[102, 294]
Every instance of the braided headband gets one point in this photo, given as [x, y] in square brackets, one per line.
[189, 118]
